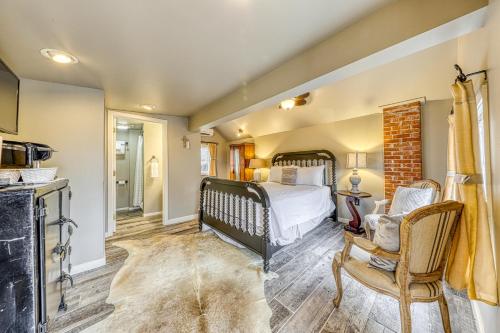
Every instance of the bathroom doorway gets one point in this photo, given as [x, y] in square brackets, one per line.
[137, 174]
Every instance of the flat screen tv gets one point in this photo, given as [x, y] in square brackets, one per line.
[9, 100]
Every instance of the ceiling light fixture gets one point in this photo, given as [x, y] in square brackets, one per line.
[287, 104]
[290, 103]
[148, 107]
[58, 56]
[240, 132]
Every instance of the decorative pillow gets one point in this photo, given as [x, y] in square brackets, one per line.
[275, 174]
[289, 176]
[407, 199]
[387, 237]
[311, 175]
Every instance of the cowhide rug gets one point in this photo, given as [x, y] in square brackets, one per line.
[187, 283]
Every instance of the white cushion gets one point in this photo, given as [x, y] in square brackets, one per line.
[275, 174]
[371, 221]
[311, 175]
[387, 237]
[407, 199]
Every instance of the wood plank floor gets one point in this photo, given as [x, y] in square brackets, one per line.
[300, 298]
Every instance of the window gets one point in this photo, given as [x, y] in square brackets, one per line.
[237, 163]
[205, 160]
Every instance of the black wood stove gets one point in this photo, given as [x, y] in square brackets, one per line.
[35, 233]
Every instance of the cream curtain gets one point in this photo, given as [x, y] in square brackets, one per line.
[212, 150]
[471, 264]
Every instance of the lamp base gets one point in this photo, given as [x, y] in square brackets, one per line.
[257, 176]
[355, 179]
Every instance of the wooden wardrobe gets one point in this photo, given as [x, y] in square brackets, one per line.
[239, 158]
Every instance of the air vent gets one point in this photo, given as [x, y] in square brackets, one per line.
[207, 132]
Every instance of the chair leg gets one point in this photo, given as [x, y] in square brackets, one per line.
[405, 312]
[338, 282]
[368, 231]
[445, 315]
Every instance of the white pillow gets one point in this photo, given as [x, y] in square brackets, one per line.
[407, 199]
[311, 175]
[387, 237]
[275, 174]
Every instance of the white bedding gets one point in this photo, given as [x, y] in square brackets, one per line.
[292, 206]
[295, 210]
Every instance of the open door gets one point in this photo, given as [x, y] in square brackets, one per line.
[111, 225]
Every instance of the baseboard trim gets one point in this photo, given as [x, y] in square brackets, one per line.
[87, 266]
[182, 219]
[151, 214]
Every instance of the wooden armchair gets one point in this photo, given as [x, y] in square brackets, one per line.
[371, 220]
[425, 240]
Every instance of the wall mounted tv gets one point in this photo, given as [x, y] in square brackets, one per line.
[9, 100]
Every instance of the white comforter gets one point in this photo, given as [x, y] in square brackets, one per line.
[293, 206]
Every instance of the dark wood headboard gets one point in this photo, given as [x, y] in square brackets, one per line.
[312, 158]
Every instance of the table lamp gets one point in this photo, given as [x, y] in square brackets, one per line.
[257, 164]
[355, 161]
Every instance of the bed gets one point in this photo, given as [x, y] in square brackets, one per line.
[264, 217]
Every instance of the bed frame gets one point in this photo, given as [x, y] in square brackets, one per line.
[232, 207]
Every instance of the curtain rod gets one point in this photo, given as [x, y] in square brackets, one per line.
[463, 77]
[406, 100]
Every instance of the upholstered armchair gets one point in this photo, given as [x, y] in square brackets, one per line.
[425, 240]
[371, 220]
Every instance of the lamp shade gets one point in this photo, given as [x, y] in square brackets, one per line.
[257, 163]
[356, 160]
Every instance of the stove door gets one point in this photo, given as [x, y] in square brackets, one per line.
[49, 229]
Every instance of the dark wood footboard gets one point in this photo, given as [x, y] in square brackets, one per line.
[235, 209]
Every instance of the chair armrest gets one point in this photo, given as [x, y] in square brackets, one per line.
[370, 247]
[379, 203]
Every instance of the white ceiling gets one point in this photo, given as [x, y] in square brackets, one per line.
[427, 73]
[177, 54]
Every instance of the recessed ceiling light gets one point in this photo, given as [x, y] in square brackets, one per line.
[148, 107]
[58, 56]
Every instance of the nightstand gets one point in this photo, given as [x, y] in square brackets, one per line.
[352, 200]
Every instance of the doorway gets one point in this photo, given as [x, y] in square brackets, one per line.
[137, 174]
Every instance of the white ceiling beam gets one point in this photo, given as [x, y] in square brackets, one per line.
[395, 31]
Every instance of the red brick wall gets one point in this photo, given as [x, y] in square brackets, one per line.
[402, 146]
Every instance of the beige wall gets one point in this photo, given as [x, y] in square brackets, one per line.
[71, 120]
[364, 134]
[435, 139]
[153, 187]
[358, 134]
[184, 169]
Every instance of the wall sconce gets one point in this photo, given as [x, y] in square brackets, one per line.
[186, 143]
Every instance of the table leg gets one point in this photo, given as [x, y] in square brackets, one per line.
[355, 224]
